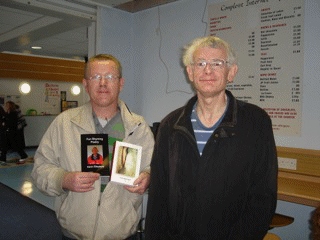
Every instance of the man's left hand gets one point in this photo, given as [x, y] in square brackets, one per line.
[140, 184]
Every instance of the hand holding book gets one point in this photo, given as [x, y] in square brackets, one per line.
[79, 181]
[140, 184]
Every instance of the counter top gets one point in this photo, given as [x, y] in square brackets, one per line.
[299, 190]
[302, 185]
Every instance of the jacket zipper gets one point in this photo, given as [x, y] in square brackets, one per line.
[99, 202]
[134, 129]
[97, 215]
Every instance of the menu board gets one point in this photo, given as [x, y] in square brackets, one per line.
[267, 36]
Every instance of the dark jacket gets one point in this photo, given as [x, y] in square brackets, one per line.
[229, 193]
[3, 127]
[3, 139]
[12, 121]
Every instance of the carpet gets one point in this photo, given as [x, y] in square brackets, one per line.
[13, 163]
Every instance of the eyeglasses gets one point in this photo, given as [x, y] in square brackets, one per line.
[214, 64]
[109, 77]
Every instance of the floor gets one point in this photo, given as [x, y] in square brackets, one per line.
[19, 178]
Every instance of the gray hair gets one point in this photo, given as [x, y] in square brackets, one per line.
[209, 41]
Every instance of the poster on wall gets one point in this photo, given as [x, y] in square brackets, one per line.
[268, 38]
[51, 98]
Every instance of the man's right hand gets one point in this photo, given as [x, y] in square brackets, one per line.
[79, 181]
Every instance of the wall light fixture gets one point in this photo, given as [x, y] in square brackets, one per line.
[75, 90]
[24, 88]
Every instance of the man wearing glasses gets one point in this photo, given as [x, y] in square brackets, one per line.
[214, 168]
[86, 209]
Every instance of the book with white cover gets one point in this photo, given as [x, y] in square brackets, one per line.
[126, 163]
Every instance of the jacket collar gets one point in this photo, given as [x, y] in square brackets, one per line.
[130, 120]
[84, 119]
[229, 120]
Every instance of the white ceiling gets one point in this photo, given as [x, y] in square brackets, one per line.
[59, 26]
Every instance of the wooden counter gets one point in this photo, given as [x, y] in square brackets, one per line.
[302, 185]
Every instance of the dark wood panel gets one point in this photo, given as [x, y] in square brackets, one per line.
[40, 68]
[41, 76]
[40, 60]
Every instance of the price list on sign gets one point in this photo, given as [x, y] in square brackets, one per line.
[267, 36]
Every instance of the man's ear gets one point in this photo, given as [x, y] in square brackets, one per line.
[121, 83]
[190, 73]
[232, 73]
[85, 84]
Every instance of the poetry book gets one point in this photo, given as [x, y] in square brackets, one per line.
[126, 163]
[95, 153]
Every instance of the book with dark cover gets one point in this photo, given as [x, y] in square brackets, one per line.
[95, 153]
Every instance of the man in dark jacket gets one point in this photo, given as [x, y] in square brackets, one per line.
[214, 168]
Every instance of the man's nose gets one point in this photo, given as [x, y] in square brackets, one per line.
[208, 68]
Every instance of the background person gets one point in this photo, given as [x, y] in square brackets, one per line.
[3, 137]
[14, 137]
[84, 209]
[22, 123]
[214, 168]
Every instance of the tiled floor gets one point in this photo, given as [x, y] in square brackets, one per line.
[19, 178]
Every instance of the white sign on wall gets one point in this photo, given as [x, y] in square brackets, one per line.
[268, 38]
[51, 98]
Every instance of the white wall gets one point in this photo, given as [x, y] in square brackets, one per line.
[37, 125]
[35, 99]
[161, 33]
[149, 43]
[158, 49]
[114, 36]
[156, 83]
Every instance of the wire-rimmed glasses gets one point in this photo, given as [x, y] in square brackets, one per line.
[214, 64]
[99, 77]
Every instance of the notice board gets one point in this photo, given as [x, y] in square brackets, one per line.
[268, 38]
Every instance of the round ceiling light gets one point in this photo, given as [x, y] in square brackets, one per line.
[75, 90]
[25, 88]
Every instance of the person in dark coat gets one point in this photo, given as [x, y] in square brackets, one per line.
[22, 123]
[214, 166]
[13, 134]
[3, 138]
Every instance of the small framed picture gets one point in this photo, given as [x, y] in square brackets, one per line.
[126, 163]
[63, 95]
[72, 104]
[65, 105]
